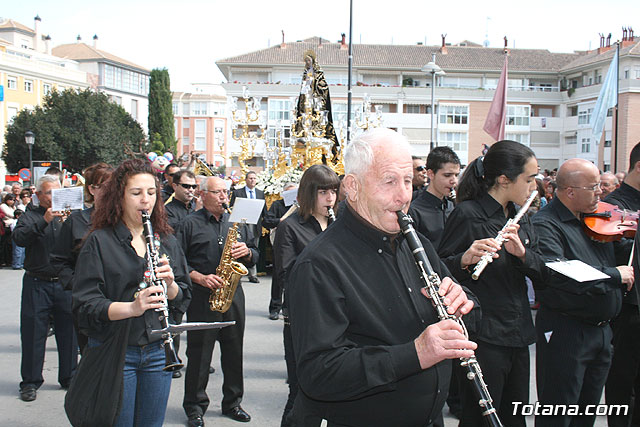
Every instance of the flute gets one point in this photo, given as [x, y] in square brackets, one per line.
[488, 257]
[432, 284]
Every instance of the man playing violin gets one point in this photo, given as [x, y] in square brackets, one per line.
[573, 350]
[625, 364]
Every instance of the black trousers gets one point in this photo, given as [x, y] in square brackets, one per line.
[625, 366]
[506, 373]
[200, 346]
[572, 362]
[275, 304]
[41, 298]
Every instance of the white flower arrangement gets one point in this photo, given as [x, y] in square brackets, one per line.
[271, 185]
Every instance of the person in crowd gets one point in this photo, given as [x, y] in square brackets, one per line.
[431, 208]
[369, 347]
[43, 294]
[608, 183]
[621, 176]
[271, 221]
[65, 252]
[16, 189]
[18, 251]
[110, 267]
[202, 236]
[167, 190]
[316, 194]
[249, 191]
[623, 382]
[183, 202]
[8, 209]
[573, 346]
[488, 196]
[24, 199]
[550, 190]
[420, 178]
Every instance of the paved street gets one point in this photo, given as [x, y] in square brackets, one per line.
[264, 369]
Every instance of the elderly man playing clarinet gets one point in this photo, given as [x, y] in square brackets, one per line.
[370, 348]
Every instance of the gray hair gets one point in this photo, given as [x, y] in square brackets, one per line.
[46, 178]
[358, 156]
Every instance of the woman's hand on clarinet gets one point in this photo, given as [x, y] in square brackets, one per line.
[477, 250]
[147, 299]
[440, 341]
[165, 272]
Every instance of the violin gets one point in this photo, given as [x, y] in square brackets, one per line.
[610, 223]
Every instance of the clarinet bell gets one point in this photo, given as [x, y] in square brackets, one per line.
[172, 361]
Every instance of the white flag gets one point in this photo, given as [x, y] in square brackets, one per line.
[608, 98]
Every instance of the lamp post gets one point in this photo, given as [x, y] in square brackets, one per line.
[30, 139]
[433, 69]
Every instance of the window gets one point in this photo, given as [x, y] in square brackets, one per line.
[115, 99]
[279, 109]
[12, 83]
[134, 109]
[586, 145]
[28, 86]
[174, 108]
[218, 134]
[456, 140]
[522, 138]
[626, 73]
[571, 139]
[46, 88]
[185, 109]
[572, 111]
[339, 112]
[454, 114]
[219, 109]
[11, 113]
[607, 143]
[412, 109]
[518, 115]
[584, 116]
[200, 135]
[637, 73]
[199, 108]
[606, 167]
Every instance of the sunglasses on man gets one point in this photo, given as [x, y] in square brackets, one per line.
[188, 186]
[421, 168]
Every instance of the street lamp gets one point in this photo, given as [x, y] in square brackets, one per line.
[433, 69]
[30, 139]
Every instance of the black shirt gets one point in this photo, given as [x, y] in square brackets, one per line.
[202, 238]
[356, 307]
[276, 211]
[177, 211]
[501, 288]
[167, 191]
[38, 237]
[562, 238]
[109, 269]
[429, 215]
[65, 252]
[627, 197]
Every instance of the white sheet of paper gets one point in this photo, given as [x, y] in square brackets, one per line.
[246, 210]
[67, 198]
[577, 270]
[289, 196]
[547, 335]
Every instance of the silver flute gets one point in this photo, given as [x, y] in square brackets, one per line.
[488, 257]
[432, 283]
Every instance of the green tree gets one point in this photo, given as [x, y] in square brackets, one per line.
[161, 111]
[78, 127]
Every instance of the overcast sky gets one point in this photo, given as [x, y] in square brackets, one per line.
[187, 37]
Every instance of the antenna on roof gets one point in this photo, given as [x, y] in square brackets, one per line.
[486, 33]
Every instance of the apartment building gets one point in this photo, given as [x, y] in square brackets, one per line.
[201, 123]
[550, 97]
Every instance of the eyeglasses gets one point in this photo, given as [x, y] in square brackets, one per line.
[420, 168]
[593, 188]
[188, 186]
[215, 192]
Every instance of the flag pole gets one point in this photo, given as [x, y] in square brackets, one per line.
[617, 109]
[350, 66]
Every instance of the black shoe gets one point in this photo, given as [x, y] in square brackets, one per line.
[274, 315]
[195, 420]
[28, 394]
[176, 374]
[254, 279]
[211, 370]
[237, 414]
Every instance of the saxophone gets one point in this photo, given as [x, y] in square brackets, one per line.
[229, 270]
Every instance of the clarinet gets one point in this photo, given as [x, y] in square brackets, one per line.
[432, 285]
[172, 361]
[331, 214]
[488, 257]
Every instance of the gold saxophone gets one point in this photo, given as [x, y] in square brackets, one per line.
[230, 271]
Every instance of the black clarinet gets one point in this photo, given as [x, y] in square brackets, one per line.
[432, 285]
[172, 361]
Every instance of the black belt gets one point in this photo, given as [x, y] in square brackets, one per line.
[587, 321]
[43, 277]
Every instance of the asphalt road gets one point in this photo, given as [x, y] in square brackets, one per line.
[264, 369]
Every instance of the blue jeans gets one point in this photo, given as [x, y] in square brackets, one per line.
[18, 256]
[146, 386]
